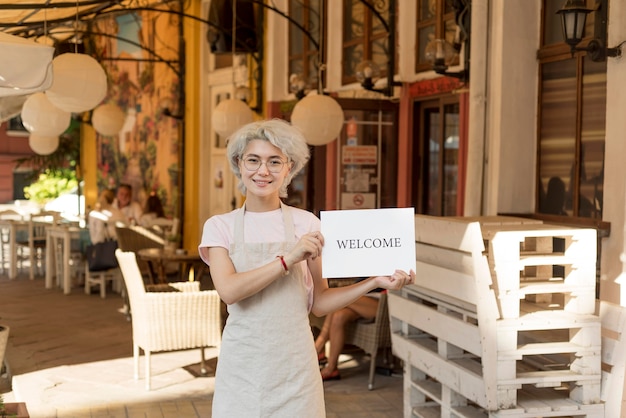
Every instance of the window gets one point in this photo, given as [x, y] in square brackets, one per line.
[435, 20]
[303, 54]
[365, 36]
[571, 125]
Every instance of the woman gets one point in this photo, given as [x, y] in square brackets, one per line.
[265, 265]
[102, 219]
[153, 212]
[334, 331]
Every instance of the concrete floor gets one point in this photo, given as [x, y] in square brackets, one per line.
[71, 356]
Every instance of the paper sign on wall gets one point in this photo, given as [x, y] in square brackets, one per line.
[367, 242]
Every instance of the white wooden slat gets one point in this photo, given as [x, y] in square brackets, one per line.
[442, 280]
[458, 332]
[613, 319]
[449, 233]
[468, 384]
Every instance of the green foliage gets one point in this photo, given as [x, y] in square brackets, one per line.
[50, 185]
[66, 158]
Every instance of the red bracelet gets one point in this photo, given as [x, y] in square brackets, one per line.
[284, 264]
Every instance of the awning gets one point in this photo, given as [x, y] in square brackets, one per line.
[26, 68]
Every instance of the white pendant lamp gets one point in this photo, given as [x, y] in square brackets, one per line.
[319, 117]
[108, 119]
[41, 117]
[80, 83]
[230, 115]
[43, 145]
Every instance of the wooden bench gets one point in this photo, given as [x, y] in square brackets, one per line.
[475, 344]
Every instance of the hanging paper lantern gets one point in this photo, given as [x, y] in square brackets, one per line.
[41, 117]
[319, 117]
[43, 145]
[230, 115]
[80, 83]
[108, 119]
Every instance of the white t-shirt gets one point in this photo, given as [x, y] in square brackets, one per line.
[219, 231]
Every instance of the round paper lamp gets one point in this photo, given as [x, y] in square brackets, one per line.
[319, 117]
[230, 115]
[43, 145]
[43, 118]
[108, 119]
[79, 84]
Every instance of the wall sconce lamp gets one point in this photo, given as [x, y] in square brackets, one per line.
[441, 54]
[297, 85]
[368, 72]
[573, 16]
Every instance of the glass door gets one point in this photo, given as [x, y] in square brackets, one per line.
[436, 158]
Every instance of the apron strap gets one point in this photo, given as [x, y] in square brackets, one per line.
[290, 231]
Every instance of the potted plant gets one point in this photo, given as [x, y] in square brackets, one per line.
[4, 339]
[13, 409]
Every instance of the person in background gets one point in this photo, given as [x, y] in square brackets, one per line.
[266, 266]
[103, 218]
[131, 209]
[152, 210]
[334, 331]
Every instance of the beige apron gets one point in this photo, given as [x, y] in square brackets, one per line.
[267, 365]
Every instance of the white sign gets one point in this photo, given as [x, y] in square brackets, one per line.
[367, 242]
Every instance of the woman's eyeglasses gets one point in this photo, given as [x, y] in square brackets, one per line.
[274, 165]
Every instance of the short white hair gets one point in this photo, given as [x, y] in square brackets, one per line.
[277, 132]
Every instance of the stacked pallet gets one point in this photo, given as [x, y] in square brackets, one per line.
[500, 321]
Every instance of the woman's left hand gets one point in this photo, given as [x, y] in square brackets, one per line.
[396, 281]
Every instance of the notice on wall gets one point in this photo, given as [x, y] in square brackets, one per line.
[367, 242]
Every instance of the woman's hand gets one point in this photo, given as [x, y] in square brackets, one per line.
[308, 247]
[396, 281]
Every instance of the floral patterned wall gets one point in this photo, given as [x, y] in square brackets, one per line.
[143, 82]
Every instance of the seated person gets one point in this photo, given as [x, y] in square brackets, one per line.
[152, 210]
[334, 329]
[102, 219]
[123, 201]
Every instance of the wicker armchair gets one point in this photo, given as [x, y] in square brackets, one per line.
[135, 238]
[371, 336]
[169, 321]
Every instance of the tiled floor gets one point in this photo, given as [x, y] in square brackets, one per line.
[71, 356]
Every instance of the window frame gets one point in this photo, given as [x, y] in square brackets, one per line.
[551, 53]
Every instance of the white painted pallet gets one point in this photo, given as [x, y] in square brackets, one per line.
[449, 330]
[524, 258]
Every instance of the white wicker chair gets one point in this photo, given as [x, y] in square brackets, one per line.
[169, 321]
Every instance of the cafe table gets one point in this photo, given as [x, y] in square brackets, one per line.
[60, 238]
[159, 258]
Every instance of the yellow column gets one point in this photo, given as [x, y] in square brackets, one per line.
[193, 34]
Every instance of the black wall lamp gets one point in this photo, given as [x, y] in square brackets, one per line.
[367, 72]
[573, 17]
[441, 53]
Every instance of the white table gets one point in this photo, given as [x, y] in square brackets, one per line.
[60, 235]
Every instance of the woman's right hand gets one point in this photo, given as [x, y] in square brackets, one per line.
[308, 247]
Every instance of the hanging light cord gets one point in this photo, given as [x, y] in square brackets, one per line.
[234, 40]
[320, 51]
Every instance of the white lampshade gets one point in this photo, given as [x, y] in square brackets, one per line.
[108, 119]
[230, 115]
[43, 118]
[28, 68]
[319, 117]
[43, 145]
[80, 83]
